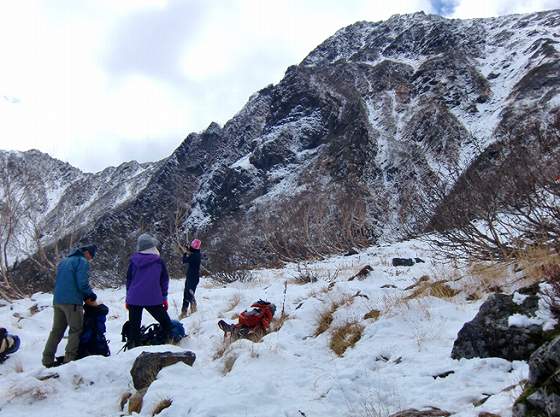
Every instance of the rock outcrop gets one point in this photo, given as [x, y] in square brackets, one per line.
[542, 393]
[490, 334]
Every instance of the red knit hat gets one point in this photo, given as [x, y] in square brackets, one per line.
[195, 244]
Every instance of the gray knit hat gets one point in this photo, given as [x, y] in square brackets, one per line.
[146, 241]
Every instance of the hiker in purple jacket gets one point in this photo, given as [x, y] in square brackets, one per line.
[146, 287]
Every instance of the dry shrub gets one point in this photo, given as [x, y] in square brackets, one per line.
[437, 289]
[34, 309]
[537, 260]
[124, 398]
[372, 314]
[226, 277]
[278, 323]
[221, 349]
[136, 401]
[327, 316]
[18, 367]
[233, 303]
[486, 277]
[345, 336]
[228, 363]
[552, 296]
[392, 302]
[307, 275]
[325, 320]
[162, 405]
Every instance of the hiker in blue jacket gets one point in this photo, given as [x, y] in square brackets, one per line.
[71, 290]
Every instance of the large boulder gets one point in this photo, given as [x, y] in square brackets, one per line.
[541, 396]
[147, 365]
[490, 335]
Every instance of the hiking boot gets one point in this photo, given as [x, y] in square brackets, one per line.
[227, 328]
[183, 314]
[193, 307]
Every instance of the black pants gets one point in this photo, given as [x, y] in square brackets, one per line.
[135, 319]
[188, 294]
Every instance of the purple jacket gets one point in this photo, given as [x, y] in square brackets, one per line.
[146, 280]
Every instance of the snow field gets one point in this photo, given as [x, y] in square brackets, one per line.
[291, 372]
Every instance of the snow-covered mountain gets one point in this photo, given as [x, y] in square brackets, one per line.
[60, 198]
[353, 131]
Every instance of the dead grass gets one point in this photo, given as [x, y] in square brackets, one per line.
[124, 399]
[535, 260]
[438, 289]
[136, 401]
[392, 302]
[229, 361]
[232, 304]
[326, 317]
[372, 314]
[221, 349]
[345, 336]
[278, 323]
[529, 265]
[487, 277]
[162, 405]
[34, 309]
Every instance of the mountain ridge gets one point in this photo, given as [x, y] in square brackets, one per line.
[353, 131]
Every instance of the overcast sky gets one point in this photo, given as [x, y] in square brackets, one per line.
[99, 82]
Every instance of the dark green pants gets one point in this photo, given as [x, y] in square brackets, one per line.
[65, 315]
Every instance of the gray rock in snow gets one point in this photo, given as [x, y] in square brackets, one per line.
[147, 365]
[489, 335]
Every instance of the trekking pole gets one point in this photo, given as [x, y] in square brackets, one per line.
[121, 349]
[284, 301]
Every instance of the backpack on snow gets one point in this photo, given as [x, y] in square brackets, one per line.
[154, 334]
[259, 316]
[92, 339]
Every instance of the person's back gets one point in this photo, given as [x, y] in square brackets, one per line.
[72, 283]
[71, 290]
[144, 280]
[147, 283]
[191, 261]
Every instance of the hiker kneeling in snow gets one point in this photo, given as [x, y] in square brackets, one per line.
[9, 343]
[146, 288]
[251, 322]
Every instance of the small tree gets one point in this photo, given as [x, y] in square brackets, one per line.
[498, 207]
[15, 208]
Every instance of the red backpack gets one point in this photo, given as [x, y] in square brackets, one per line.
[259, 316]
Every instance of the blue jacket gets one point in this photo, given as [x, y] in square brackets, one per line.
[72, 280]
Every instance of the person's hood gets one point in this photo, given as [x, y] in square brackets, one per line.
[144, 259]
[76, 252]
[98, 310]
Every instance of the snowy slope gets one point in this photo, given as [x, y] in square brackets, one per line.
[290, 372]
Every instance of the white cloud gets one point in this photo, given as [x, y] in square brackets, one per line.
[100, 82]
[484, 8]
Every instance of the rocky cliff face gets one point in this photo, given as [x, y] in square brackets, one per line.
[367, 116]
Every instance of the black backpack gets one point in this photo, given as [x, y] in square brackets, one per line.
[92, 339]
[153, 335]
